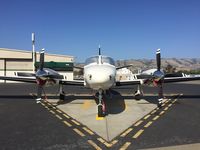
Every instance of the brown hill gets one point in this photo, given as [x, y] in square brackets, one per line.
[178, 63]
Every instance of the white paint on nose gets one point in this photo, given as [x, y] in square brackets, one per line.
[100, 76]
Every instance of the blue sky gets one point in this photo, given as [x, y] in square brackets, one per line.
[125, 29]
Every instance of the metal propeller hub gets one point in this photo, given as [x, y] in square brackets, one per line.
[158, 76]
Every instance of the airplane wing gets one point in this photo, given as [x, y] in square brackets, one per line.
[33, 80]
[166, 80]
[124, 67]
[73, 82]
[20, 79]
[180, 79]
[129, 82]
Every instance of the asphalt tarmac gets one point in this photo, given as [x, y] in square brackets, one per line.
[27, 125]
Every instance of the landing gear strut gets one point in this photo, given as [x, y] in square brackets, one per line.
[101, 105]
[138, 93]
[160, 95]
[39, 94]
[61, 93]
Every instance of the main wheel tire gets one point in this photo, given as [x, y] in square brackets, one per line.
[137, 95]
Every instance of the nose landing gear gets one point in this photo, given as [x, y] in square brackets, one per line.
[101, 105]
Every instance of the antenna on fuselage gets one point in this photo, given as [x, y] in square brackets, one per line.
[99, 49]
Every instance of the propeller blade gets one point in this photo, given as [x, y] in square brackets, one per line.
[41, 59]
[160, 94]
[39, 93]
[158, 59]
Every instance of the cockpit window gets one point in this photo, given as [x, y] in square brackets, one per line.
[92, 60]
[108, 60]
[95, 59]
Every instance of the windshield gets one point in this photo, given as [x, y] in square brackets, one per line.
[95, 59]
[92, 60]
[108, 60]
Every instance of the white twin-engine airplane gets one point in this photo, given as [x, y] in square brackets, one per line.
[99, 75]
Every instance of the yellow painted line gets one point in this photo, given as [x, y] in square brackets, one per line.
[47, 103]
[169, 105]
[59, 117]
[174, 101]
[74, 121]
[114, 142]
[125, 146]
[147, 116]
[162, 112]
[138, 123]
[94, 145]
[156, 117]
[67, 123]
[66, 116]
[167, 101]
[87, 104]
[59, 111]
[166, 108]
[43, 104]
[104, 142]
[52, 112]
[163, 104]
[88, 131]
[138, 134]
[79, 132]
[126, 132]
[99, 118]
[101, 140]
[153, 112]
[148, 124]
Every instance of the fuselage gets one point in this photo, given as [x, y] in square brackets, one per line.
[99, 72]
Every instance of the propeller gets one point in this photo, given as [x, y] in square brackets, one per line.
[40, 82]
[158, 59]
[160, 76]
[99, 50]
[41, 66]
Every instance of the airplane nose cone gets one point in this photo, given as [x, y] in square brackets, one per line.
[100, 77]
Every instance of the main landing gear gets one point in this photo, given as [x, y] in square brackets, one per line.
[101, 105]
[138, 93]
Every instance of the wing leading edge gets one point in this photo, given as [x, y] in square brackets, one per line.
[128, 82]
[180, 79]
[20, 79]
[73, 82]
[166, 80]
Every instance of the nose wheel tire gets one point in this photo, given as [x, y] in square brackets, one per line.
[100, 110]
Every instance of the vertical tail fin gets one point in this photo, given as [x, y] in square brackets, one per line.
[99, 50]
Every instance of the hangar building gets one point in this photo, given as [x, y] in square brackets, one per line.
[12, 61]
